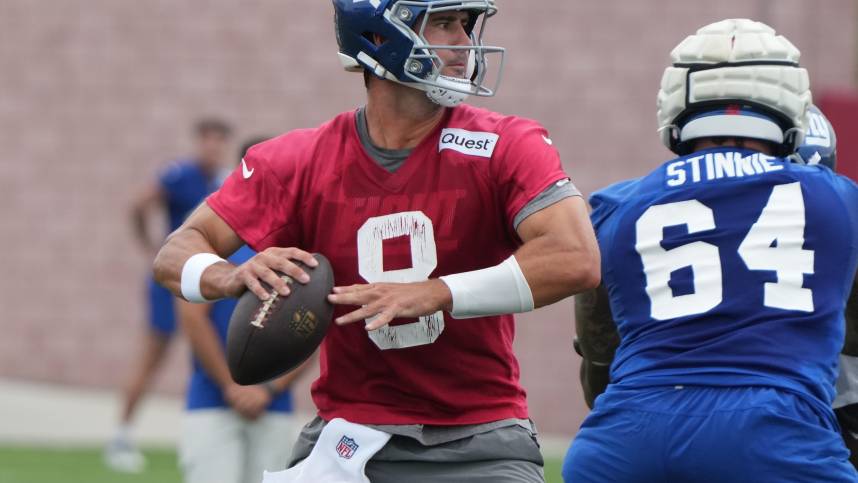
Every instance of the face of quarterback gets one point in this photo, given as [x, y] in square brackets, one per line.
[449, 28]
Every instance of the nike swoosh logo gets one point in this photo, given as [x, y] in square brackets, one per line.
[247, 173]
[548, 141]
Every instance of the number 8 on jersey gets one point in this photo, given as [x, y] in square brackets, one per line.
[424, 258]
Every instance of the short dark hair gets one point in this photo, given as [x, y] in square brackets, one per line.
[212, 125]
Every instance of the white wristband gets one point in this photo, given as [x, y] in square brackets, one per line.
[501, 289]
[192, 272]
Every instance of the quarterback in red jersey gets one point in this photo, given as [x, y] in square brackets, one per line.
[431, 212]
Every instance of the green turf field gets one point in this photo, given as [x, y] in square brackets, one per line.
[38, 465]
[552, 471]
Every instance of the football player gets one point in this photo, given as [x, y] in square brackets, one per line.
[727, 271]
[230, 433]
[597, 336]
[177, 191]
[596, 332]
[431, 212]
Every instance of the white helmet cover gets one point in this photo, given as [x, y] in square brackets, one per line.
[734, 61]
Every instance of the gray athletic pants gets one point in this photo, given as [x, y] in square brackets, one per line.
[504, 455]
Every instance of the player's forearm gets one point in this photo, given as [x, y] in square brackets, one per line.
[556, 267]
[152, 196]
[141, 230]
[594, 380]
[597, 340]
[850, 348]
[848, 415]
[560, 255]
[179, 247]
[559, 258]
[595, 327]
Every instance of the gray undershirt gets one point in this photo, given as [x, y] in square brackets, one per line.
[391, 160]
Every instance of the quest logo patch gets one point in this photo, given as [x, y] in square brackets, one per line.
[468, 142]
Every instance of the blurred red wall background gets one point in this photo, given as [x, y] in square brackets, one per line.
[96, 95]
[841, 106]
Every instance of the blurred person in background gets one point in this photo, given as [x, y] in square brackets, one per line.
[175, 193]
[230, 433]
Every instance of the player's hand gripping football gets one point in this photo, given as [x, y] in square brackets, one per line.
[261, 268]
[388, 301]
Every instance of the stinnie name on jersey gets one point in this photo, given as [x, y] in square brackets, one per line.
[717, 165]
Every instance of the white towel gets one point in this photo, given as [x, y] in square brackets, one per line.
[339, 456]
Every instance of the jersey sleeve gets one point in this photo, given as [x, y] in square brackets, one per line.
[554, 193]
[604, 202]
[529, 164]
[601, 209]
[259, 200]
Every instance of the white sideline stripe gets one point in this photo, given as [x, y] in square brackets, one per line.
[42, 414]
[56, 415]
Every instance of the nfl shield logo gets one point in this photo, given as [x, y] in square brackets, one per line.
[346, 447]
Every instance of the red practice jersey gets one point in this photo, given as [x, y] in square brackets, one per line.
[448, 209]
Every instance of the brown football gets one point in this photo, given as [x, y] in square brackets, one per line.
[267, 339]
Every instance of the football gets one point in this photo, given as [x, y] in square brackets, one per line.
[269, 338]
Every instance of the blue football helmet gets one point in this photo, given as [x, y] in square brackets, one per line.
[820, 141]
[404, 55]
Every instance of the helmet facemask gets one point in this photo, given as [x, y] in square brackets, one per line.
[423, 67]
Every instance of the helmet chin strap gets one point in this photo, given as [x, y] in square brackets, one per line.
[445, 93]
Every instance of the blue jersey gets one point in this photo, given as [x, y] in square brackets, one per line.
[185, 185]
[729, 268]
[203, 392]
